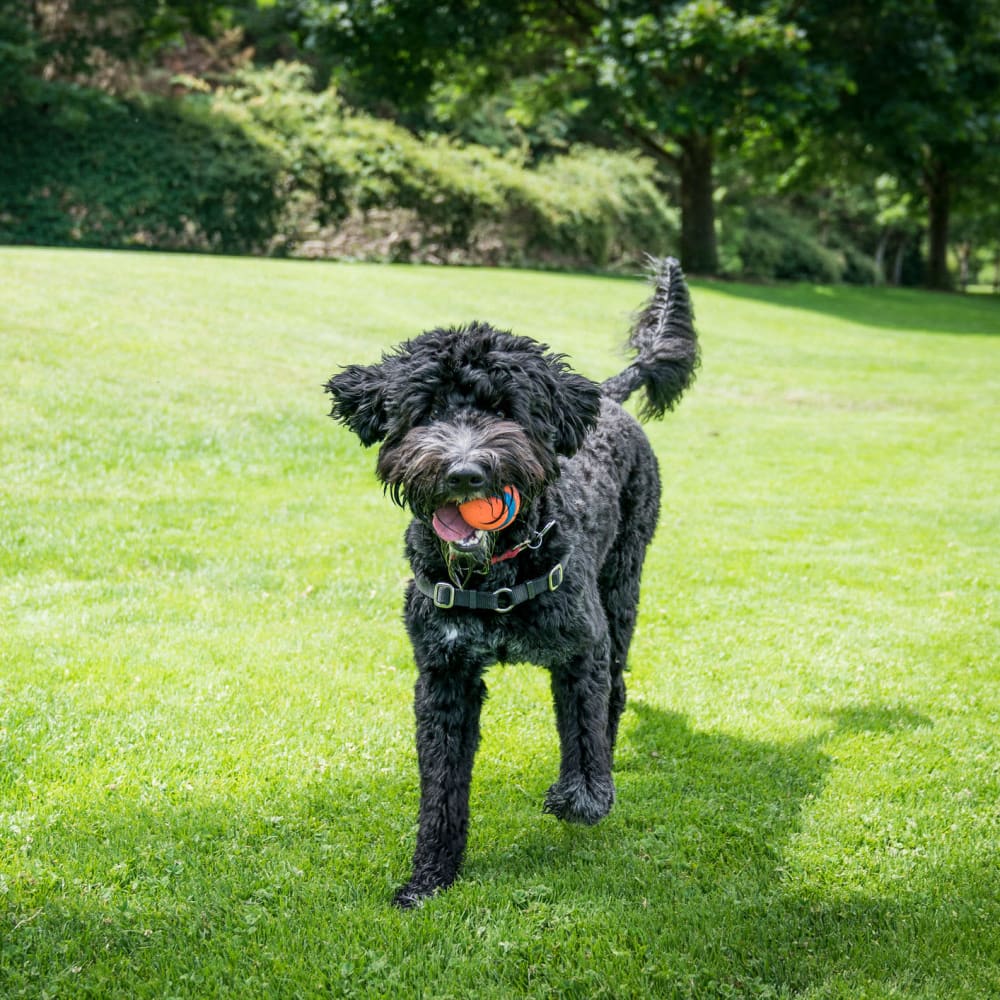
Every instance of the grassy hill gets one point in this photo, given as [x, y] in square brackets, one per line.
[207, 775]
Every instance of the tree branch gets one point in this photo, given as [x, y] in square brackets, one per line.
[651, 146]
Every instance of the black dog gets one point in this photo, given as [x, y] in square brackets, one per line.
[464, 413]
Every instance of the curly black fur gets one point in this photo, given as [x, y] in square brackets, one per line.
[664, 340]
[461, 413]
[415, 469]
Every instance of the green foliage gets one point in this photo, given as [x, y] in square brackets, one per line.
[907, 88]
[925, 78]
[703, 67]
[82, 168]
[280, 112]
[267, 164]
[670, 81]
[461, 203]
[924, 100]
[78, 36]
[768, 241]
[681, 68]
[18, 54]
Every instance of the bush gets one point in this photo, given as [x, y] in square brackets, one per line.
[84, 169]
[433, 199]
[268, 165]
[17, 57]
[767, 241]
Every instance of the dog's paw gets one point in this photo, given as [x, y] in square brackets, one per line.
[409, 897]
[577, 802]
[416, 891]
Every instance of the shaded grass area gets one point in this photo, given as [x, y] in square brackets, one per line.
[207, 776]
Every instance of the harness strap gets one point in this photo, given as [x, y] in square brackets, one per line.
[446, 596]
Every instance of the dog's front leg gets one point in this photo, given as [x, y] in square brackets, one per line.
[585, 790]
[448, 704]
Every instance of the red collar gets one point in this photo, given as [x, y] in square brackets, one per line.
[534, 542]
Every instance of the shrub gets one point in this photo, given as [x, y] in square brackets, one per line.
[767, 241]
[82, 168]
[266, 164]
[454, 202]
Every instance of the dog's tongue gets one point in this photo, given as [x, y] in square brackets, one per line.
[450, 525]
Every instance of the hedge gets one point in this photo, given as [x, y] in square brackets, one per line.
[81, 168]
[267, 165]
[588, 208]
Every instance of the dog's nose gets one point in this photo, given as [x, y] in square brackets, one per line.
[466, 477]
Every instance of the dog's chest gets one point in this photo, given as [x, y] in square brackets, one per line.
[547, 635]
[469, 636]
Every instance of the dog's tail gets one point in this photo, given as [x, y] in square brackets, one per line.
[665, 343]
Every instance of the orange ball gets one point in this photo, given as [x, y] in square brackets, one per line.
[492, 513]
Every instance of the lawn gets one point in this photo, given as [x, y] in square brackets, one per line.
[208, 781]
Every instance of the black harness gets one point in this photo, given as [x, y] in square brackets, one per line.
[447, 596]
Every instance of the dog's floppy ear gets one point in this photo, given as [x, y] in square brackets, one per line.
[576, 405]
[359, 400]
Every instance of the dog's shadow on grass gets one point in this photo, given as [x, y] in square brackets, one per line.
[706, 809]
[700, 865]
[689, 804]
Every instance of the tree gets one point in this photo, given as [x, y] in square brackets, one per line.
[674, 79]
[75, 38]
[976, 222]
[925, 100]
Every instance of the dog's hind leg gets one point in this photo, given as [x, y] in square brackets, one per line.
[620, 577]
[447, 705]
[620, 603]
[585, 791]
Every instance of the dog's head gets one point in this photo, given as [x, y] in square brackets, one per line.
[462, 413]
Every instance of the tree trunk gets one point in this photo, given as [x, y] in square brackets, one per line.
[699, 252]
[883, 245]
[897, 266]
[938, 185]
[964, 265]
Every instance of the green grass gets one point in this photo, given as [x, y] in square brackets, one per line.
[207, 775]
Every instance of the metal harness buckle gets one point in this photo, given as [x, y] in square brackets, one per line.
[508, 594]
[555, 578]
[444, 596]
